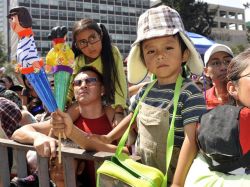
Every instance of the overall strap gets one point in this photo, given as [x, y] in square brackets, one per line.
[170, 137]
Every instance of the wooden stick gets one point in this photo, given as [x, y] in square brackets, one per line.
[59, 148]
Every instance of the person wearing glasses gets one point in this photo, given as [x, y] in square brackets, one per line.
[88, 90]
[92, 47]
[217, 59]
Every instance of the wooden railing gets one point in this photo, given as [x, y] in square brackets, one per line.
[68, 155]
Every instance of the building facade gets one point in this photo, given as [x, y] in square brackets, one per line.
[229, 25]
[3, 23]
[119, 17]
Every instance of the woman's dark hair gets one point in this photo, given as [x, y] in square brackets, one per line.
[237, 65]
[9, 79]
[110, 75]
[183, 48]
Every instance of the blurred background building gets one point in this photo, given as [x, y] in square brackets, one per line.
[119, 17]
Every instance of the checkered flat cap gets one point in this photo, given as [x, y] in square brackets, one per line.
[159, 21]
[10, 115]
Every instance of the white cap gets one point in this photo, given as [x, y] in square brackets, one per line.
[214, 49]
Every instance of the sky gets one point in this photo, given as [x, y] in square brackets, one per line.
[233, 3]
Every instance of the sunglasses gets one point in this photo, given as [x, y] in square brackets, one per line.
[88, 81]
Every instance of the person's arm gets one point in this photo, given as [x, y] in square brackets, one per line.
[119, 130]
[62, 123]
[36, 134]
[27, 133]
[187, 154]
[135, 88]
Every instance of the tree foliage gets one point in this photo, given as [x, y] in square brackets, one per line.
[3, 54]
[195, 15]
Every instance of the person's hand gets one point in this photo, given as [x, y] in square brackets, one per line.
[61, 123]
[45, 146]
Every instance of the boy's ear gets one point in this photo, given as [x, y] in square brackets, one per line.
[185, 55]
[232, 89]
[205, 71]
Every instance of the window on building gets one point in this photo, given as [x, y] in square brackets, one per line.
[54, 23]
[45, 34]
[215, 24]
[71, 14]
[110, 8]
[35, 12]
[95, 7]
[132, 20]
[145, 3]
[232, 15]
[36, 22]
[44, 12]
[62, 3]
[240, 16]
[96, 17]
[223, 14]
[111, 19]
[64, 23]
[35, 1]
[79, 15]
[79, 5]
[125, 20]
[241, 27]
[131, 2]
[45, 23]
[223, 25]
[54, 13]
[104, 18]
[54, 2]
[87, 6]
[45, 44]
[44, 2]
[232, 26]
[118, 9]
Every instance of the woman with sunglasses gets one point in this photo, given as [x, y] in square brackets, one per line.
[92, 47]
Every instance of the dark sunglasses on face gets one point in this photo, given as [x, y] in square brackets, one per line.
[94, 38]
[88, 81]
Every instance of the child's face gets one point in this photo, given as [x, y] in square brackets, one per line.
[163, 57]
[89, 42]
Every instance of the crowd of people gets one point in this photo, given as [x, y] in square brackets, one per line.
[100, 104]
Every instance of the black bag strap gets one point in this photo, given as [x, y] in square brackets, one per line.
[226, 167]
